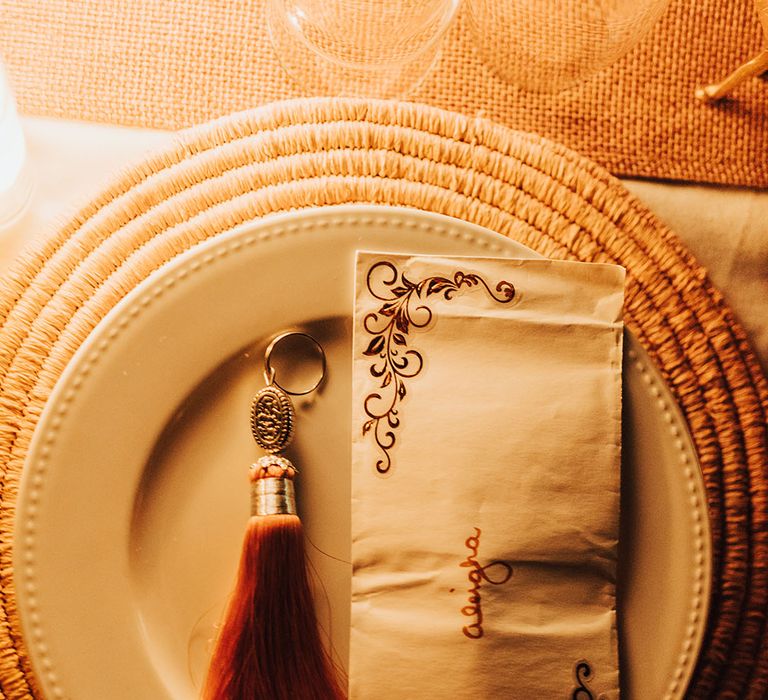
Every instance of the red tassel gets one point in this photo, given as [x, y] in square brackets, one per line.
[269, 646]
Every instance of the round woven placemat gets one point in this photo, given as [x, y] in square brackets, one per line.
[323, 152]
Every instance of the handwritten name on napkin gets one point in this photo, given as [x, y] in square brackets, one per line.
[477, 574]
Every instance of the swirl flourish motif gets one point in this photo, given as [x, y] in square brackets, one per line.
[404, 309]
[582, 674]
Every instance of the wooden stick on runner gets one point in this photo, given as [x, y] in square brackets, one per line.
[754, 67]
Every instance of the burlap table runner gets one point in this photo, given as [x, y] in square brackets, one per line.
[162, 63]
[293, 155]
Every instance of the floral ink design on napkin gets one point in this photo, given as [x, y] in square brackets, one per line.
[404, 308]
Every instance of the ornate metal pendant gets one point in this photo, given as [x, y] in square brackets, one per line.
[272, 419]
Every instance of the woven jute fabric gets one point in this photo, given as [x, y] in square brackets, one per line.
[163, 63]
[325, 152]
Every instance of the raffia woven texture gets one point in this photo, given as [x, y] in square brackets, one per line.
[322, 152]
[169, 64]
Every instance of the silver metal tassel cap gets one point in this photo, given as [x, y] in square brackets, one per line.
[273, 496]
[272, 490]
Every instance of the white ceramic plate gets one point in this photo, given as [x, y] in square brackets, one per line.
[127, 532]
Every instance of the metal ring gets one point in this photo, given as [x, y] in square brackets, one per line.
[269, 371]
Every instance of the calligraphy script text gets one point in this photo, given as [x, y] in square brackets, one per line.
[477, 574]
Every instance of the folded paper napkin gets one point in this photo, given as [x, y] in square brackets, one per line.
[485, 478]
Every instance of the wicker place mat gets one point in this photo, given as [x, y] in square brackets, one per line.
[162, 63]
[323, 152]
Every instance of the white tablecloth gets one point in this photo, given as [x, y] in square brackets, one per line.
[726, 228]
